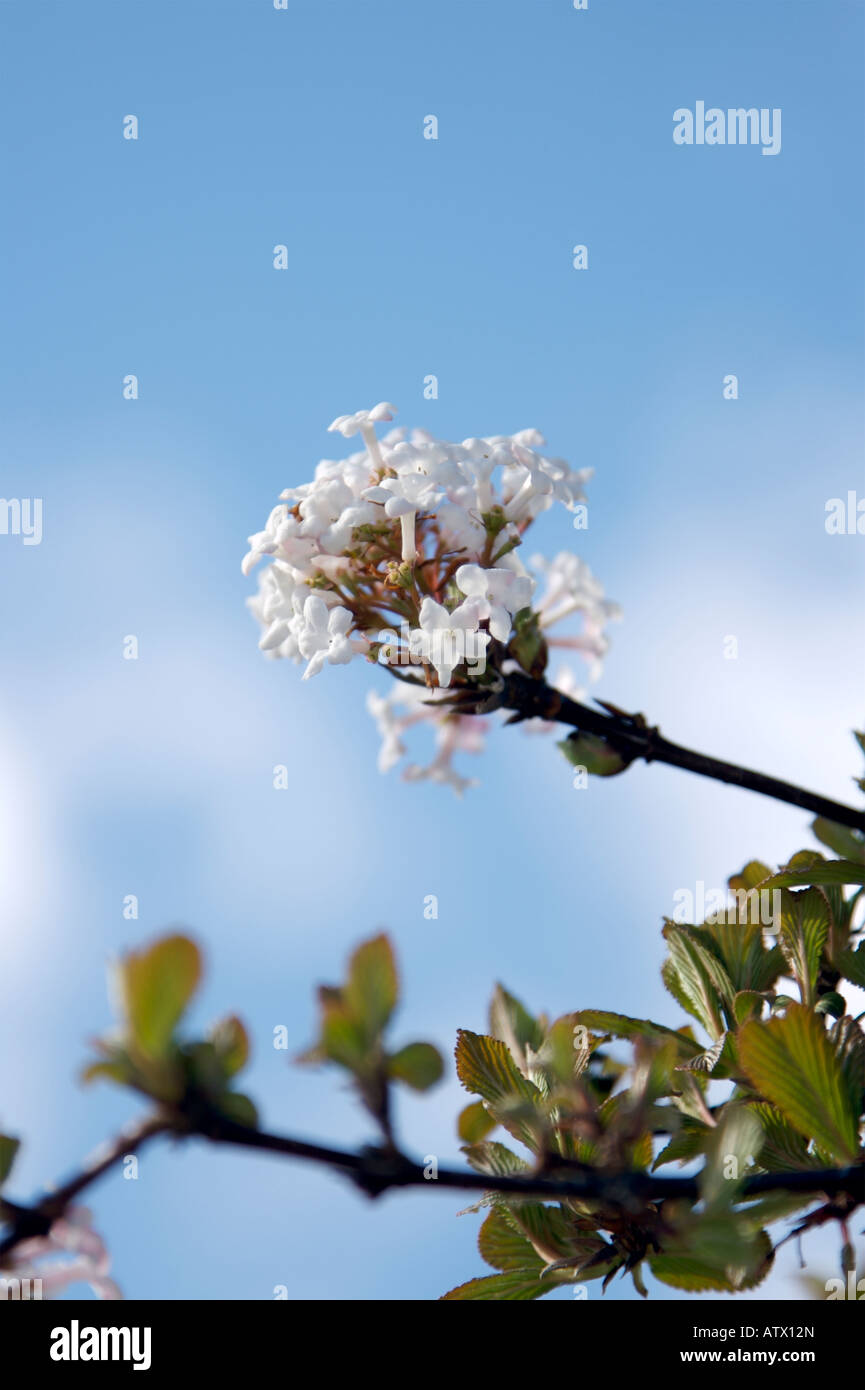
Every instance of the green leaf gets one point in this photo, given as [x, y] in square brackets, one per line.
[155, 987]
[372, 989]
[515, 1286]
[793, 1064]
[475, 1122]
[8, 1149]
[684, 1146]
[832, 871]
[118, 1070]
[343, 1038]
[689, 1273]
[729, 1151]
[720, 1251]
[550, 1231]
[503, 1247]
[738, 944]
[486, 1067]
[494, 1159]
[418, 1064]
[238, 1107]
[848, 1040]
[852, 965]
[707, 1061]
[593, 753]
[747, 1004]
[528, 645]
[784, 1149]
[511, 1022]
[753, 874]
[702, 978]
[231, 1044]
[621, 1026]
[804, 928]
[841, 839]
[831, 1003]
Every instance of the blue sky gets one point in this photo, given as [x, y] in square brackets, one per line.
[406, 257]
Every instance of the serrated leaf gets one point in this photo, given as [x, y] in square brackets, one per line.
[702, 979]
[793, 1064]
[738, 944]
[155, 986]
[670, 977]
[550, 1231]
[418, 1064]
[494, 1159]
[832, 871]
[708, 1060]
[503, 1247]
[515, 1286]
[621, 1026]
[753, 874]
[475, 1122]
[689, 1273]
[512, 1024]
[852, 965]
[804, 929]
[784, 1149]
[486, 1067]
[848, 1040]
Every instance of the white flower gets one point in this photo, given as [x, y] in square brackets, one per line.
[363, 422]
[444, 635]
[501, 593]
[324, 635]
[454, 733]
[571, 588]
[356, 423]
[461, 528]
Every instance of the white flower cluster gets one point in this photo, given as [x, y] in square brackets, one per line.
[405, 552]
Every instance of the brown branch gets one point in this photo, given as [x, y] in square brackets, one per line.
[37, 1220]
[633, 738]
[376, 1170]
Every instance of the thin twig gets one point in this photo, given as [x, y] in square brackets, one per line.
[633, 738]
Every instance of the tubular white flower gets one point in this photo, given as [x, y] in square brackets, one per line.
[363, 422]
[324, 636]
[501, 593]
[444, 635]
